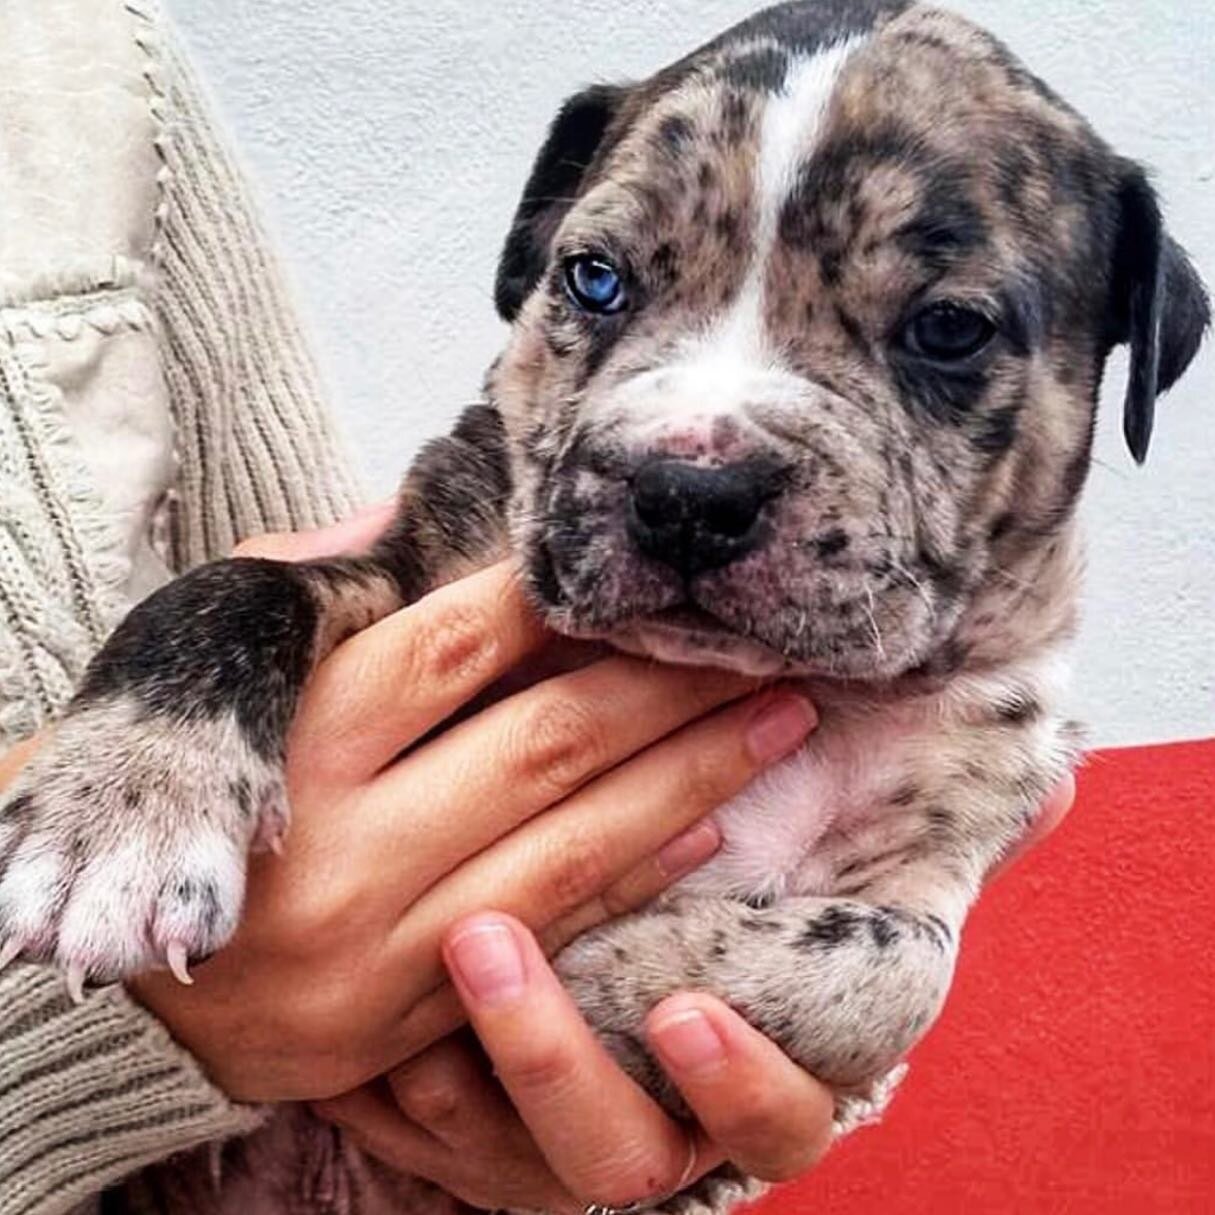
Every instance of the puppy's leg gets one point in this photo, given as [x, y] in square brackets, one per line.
[123, 842]
[842, 986]
[845, 987]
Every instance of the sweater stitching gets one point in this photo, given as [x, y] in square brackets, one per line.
[184, 1114]
[105, 310]
[37, 390]
[145, 13]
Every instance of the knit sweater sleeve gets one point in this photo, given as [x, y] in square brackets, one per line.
[90, 1094]
[256, 448]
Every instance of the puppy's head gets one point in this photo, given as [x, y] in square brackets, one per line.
[808, 334]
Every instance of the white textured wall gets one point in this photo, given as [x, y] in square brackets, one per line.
[389, 139]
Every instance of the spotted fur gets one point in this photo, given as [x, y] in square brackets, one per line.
[899, 530]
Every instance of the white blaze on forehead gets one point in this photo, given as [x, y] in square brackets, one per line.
[730, 364]
[792, 120]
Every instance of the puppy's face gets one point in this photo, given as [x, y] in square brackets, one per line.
[808, 332]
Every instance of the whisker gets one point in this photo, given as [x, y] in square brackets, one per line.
[920, 588]
[873, 624]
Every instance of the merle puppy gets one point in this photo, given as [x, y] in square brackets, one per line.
[808, 331]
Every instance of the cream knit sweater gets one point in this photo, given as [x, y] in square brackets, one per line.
[157, 403]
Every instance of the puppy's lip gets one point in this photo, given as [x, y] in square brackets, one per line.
[691, 635]
[701, 627]
[687, 618]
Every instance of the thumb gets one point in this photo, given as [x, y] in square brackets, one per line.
[348, 536]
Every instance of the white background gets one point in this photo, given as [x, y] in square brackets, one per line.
[388, 141]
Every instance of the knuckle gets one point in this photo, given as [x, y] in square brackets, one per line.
[544, 1068]
[705, 779]
[430, 1101]
[452, 643]
[633, 1173]
[560, 742]
[311, 921]
[579, 871]
[623, 897]
[791, 1162]
[756, 1117]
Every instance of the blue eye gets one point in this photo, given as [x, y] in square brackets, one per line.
[594, 285]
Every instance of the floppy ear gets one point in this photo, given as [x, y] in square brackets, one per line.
[1158, 305]
[576, 135]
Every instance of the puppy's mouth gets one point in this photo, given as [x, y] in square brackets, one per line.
[691, 635]
[688, 618]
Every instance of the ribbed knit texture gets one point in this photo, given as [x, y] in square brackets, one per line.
[256, 450]
[89, 1094]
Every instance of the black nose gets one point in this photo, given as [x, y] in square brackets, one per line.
[694, 518]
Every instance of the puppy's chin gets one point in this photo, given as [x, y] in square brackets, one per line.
[689, 637]
[679, 637]
[692, 644]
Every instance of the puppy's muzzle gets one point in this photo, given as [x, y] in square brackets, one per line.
[694, 518]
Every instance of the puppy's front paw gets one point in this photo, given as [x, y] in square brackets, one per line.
[123, 843]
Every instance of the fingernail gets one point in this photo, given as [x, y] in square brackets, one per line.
[688, 850]
[489, 963]
[780, 727]
[688, 1042]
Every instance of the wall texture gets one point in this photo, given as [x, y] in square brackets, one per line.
[389, 139]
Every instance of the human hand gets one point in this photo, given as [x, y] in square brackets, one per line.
[562, 1125]
[570, 802]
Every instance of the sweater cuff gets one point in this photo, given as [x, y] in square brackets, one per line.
[90, 1094]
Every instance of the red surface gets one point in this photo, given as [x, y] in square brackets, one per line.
[1074, 1068]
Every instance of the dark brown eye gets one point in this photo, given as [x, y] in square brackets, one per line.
[948, 332]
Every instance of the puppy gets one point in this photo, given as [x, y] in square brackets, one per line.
[808, 331]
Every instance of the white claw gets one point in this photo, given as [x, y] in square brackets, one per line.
[75, 982]
[179, 963]
[276, 843]
[10, 952]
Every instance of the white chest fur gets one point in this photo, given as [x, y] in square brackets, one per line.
[837, 801]
[778, 832]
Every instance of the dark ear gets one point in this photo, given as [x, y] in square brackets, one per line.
[573, 140]
[1158, 305]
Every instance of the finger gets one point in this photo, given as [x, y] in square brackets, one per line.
[1054, 810]
[686, 852]
[524, 754]
[16, 757]
[769, 1117]
[352, 535]
[446, 1091]
[491, 1175]
[602, 1135]
[570, 855]
[388, 685]
[438, 1013]
[378, 1127]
